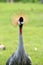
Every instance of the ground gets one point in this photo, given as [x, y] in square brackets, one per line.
[32, 31]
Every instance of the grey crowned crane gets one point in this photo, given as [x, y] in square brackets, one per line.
[20, 57]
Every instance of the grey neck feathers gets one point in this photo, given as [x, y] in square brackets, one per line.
[20, 43]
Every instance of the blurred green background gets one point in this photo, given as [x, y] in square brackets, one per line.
[21, 1]
[32, 31]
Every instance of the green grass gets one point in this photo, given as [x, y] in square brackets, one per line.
[32, 31]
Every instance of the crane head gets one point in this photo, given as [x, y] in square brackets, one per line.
[21, 21]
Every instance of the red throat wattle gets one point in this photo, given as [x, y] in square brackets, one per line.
[20, 30]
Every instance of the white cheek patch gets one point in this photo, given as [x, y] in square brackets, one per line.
[20, 23]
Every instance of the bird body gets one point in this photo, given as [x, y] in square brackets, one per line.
[19, 57]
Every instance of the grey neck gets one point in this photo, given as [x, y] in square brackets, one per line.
[20, 43]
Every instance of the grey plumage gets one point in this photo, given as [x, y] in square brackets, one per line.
[19, 57]
[19, 60]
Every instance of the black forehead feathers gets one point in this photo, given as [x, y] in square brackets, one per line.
[21, 19]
